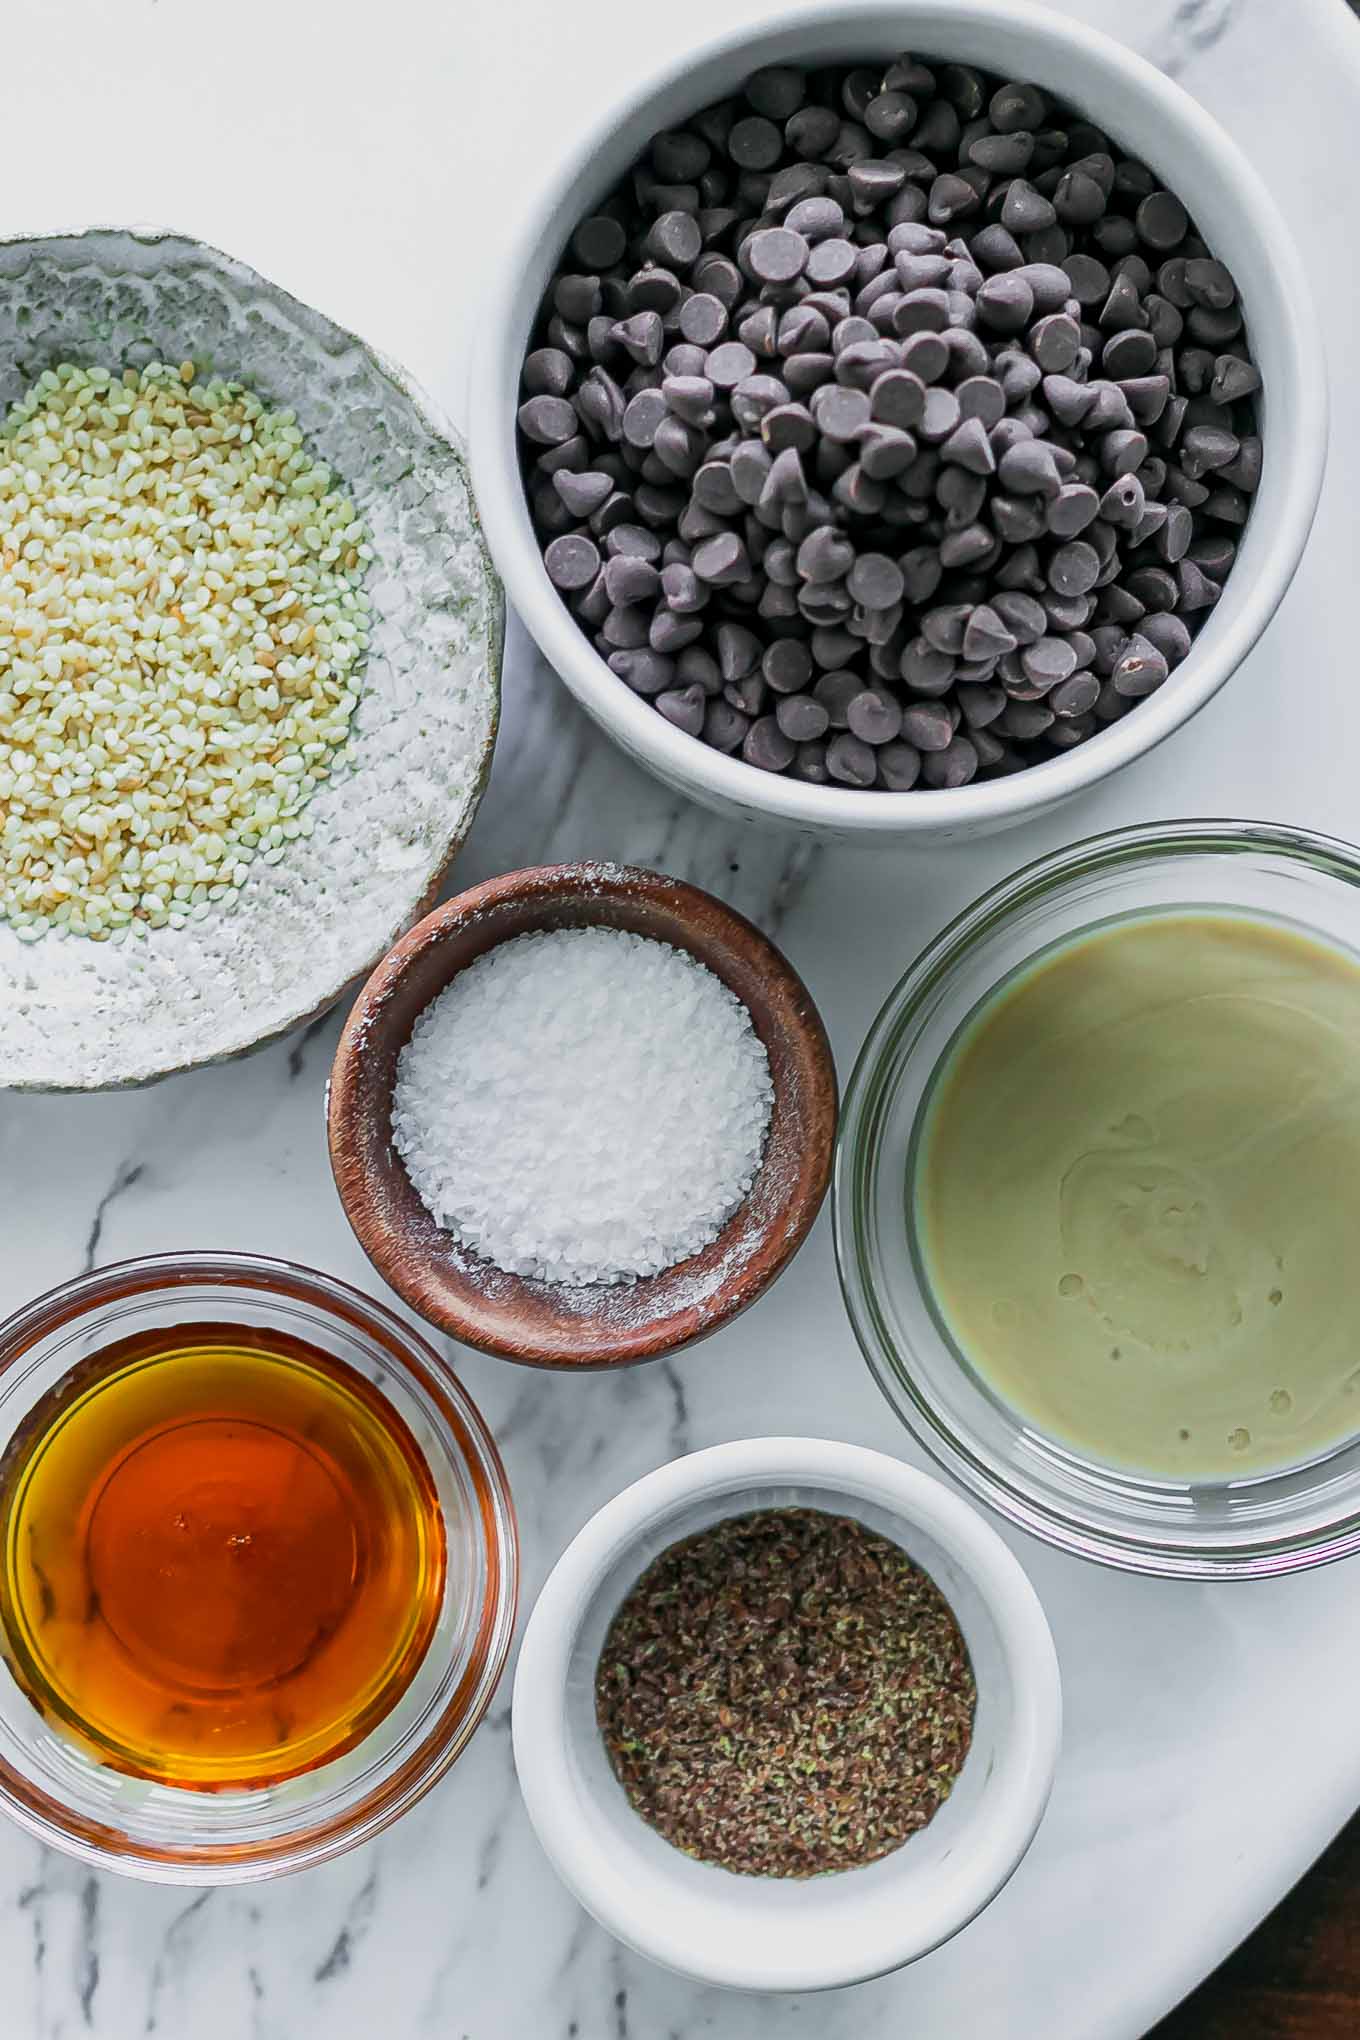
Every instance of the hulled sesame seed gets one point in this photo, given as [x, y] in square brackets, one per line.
[182, 624]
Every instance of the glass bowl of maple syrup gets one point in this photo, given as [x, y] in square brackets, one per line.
[258, 1568]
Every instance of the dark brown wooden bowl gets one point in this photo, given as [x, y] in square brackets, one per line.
[545, 1324]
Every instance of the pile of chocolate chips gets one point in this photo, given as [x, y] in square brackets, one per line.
[890, 426]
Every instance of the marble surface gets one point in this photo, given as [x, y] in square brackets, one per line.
[1210, 1748]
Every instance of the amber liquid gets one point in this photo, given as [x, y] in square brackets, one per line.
[221, 1556]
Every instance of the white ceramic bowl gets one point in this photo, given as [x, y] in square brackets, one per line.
[1153, 119]
[768, 1933]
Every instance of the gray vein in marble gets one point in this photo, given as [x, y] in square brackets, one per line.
[32, 1900]
[520, 1415]
[357, 1921]
[297, 1052]
[669, 831]
[560, 789]
[124, 1177]
[1194, 27]
[620, 2006]
[87, 1949]
[677, 1439]
[255, 1985]
[168, 1954]
[493, 1846]
[490, 1853]
[578, 1940]
[799, 869]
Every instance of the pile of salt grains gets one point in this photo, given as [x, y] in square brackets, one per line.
[583, 1106]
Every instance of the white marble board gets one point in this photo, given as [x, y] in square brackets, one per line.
[348, 152]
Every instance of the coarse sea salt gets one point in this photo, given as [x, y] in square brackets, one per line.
[586, 1105]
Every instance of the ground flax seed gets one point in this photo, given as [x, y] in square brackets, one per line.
[785, 1693]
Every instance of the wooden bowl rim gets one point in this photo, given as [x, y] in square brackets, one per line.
[438, 1293]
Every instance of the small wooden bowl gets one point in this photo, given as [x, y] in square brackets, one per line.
[545, 1324]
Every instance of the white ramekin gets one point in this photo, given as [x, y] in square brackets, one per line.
[1153, 119]
[764, 1933]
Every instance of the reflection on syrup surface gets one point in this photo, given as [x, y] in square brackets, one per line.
[223, 1556]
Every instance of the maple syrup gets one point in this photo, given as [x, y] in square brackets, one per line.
[222, 1556]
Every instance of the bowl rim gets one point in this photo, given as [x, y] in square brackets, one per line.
[855, 1472]
[1147, 1552]
[352, 1092]
[441, 428]
[728, 782]
[101, 1847]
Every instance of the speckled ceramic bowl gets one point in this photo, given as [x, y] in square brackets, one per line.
[82, 1015]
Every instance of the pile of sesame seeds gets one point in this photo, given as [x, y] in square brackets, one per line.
[182, 624]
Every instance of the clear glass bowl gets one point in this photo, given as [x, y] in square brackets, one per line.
[62, 1795]
[1263, 1523]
